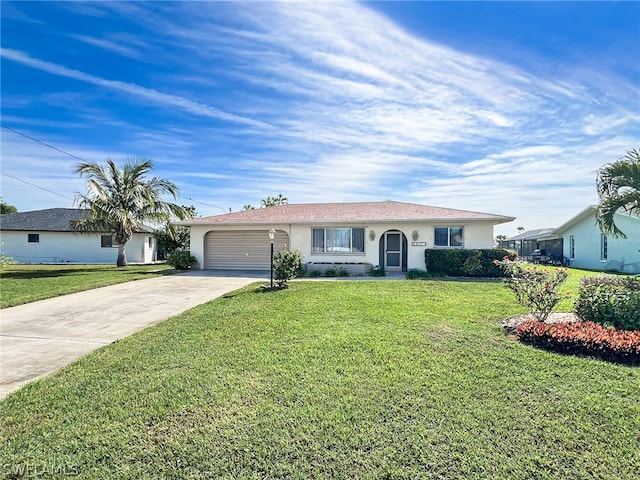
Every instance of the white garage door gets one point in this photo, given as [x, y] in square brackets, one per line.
[241, 250]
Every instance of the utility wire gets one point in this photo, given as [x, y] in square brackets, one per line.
[37, 186]
[42, 143]
[77, 158]
[207, 204]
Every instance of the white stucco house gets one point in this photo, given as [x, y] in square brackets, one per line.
[389, 234]
[586, 247]
[47, 236]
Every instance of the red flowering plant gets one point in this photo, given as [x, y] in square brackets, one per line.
[584, 338]
[535, 288]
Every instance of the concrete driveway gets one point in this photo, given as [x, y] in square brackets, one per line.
[39, 338]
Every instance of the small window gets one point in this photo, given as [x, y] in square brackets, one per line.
[448, 237]
[603, 247]
[107, 241]
[572, 247]
[150, 242]
[33, 237]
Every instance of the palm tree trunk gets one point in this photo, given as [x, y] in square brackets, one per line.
[122, 256]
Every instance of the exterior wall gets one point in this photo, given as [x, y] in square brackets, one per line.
[69, 247]
[587, 243]
[476, 235]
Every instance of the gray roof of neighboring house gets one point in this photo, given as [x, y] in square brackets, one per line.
[387, 211]
[48, 220]
[532, 234]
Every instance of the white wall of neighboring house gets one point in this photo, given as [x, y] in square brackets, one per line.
[476, 235]
[69, 247]
[588, 243]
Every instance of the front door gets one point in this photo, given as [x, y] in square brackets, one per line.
[393, 251]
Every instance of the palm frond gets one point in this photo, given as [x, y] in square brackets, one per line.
[122, 200]
[618, 186]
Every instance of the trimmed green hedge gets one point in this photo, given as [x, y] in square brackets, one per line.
[458, 262]
[610, 301]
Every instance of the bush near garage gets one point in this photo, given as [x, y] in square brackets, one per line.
[610, 301]
[456, 262]
[181, 260]
[583, 338]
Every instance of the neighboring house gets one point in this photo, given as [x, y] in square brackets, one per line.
[47, 236]
[586, 247]
[390, 234]
[533, 244]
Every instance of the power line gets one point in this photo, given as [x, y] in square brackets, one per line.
[207, 204]
[77, 158]
[37, 186]
[42, 143]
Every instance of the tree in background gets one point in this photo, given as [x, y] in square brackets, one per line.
[6, 208]
[121, 201]
[618, 185]
[499, 239]
[274, 201]
[173, 238]
[248, 206]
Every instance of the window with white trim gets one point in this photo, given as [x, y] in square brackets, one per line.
[337, 240]
[572, 247]
[604, 247]
[107, 241]
[448, 236]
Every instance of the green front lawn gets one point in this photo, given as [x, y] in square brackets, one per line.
[27, 283]
[367, 379]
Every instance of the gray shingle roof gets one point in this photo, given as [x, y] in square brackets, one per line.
[48, 220]
[532, 234]
[388, 211]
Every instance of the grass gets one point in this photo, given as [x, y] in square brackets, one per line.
[367, 379]
[27, 283]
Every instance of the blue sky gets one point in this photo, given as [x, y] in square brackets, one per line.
[500, 107]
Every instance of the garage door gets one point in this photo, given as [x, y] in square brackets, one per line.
[241, 250]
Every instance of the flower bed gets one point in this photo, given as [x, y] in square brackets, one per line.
[583, 338]
[352, 268]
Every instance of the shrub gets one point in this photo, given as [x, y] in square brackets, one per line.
[286, 265]
[181, 260]
[416, 274]
[583, 338]
[611, 301]
[315, 273]
[535, 288]
[330, 272]
[466, 263]
[342, 272]
[378, 271]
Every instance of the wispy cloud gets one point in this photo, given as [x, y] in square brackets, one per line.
[147, 93]
[334, 101]
[116, 46]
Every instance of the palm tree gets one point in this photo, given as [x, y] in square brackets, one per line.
[120, 201]
[618, 186]
[274, 201]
